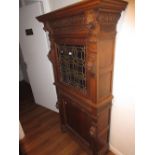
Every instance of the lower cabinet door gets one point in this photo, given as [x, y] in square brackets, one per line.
[78, 120]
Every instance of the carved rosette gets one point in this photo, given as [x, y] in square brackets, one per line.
[107, 20]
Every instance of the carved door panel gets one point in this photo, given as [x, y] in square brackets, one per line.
[77, 120]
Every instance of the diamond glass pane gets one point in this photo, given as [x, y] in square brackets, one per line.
[72, 65]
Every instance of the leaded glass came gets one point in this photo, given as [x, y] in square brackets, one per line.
[72, 65]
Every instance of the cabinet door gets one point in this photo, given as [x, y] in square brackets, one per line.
[77, 120]
[71, 64]
[77, 68]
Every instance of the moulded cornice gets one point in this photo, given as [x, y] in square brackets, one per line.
[106, 5]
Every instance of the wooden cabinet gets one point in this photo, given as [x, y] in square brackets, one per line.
[82, 40]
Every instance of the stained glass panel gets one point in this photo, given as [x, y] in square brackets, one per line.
[72, 65]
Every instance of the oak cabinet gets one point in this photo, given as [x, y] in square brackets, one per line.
[82, 40]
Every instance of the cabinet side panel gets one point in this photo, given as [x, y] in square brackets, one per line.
[105, 57]
[105, 85]
[77, 120]
[104, 119]
[106, 47]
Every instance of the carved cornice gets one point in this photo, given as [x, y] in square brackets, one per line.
[69, 21]
[109, 5]
[92, 22]
[107, 20]
[100, 20]
[76, 15]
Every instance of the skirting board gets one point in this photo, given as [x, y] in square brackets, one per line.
[115, 151]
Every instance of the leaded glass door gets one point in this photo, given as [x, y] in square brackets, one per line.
[72, 59]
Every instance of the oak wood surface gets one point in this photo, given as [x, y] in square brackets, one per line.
[42, 129]
[90, 25]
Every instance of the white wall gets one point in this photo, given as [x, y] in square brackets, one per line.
[122, 120]
[56, 4]
[21, 132]
[45, 4]
[35, 50]
[21, 77]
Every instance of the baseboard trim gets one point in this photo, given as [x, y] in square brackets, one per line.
[114, 150]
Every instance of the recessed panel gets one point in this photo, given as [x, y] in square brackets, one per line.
[78, 120]
[104, 89]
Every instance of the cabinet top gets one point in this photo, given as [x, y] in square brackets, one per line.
[105, 5]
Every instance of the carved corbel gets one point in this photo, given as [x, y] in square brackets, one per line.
[91, 21]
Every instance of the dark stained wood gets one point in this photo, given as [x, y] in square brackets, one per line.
[89, 24]
[42, 130]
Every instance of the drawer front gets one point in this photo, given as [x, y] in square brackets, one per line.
[77, 120]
